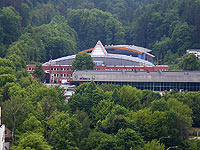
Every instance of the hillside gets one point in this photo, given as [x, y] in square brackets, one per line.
[38, 30]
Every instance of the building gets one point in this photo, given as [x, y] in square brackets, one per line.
[155, 80]
[111, 58]
[196, 52]
[2, 137]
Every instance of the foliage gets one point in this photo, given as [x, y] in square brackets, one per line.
[129, 97]
[189, 62]
[153, 145]
[10, 22]
[94, 140]
[83, 61]
[63, 131]
[86, 96]
[39, 72]
[129, 139]
[109, 87]
[96, 117]
[32, 141]
[191, 144]
[100, 26]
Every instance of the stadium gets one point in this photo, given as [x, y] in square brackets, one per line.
[107, 58]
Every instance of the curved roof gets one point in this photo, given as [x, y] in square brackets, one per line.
[99, 53]
[129, 58]
[131, 48]
[109, 56]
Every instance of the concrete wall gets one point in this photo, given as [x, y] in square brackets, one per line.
[123, 76]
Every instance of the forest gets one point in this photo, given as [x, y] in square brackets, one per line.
[97, 117]
[38, 30]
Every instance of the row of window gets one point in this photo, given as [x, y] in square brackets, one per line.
[30, 69]
[61, 76]
[62, 69]
[161, 86]
[129, 69]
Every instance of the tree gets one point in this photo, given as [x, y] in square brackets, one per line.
[32, 141]
[10, 21]
[109, 87]
[184, 114]
[15, 112]
[130, 97]
[149, 96]
[5, 78]
[190, 144]
[159, 105]
[182, 37]
[83, 61]
[128, 138]
[189, 62]
[39, 72]
[63, 131]
[101, 110]
[100, 26]
[86, 96]
[153, 145]
[154, 125]
[32, 124]
[118, 118]
[94, 140]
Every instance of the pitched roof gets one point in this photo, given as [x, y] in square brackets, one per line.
[99, 50]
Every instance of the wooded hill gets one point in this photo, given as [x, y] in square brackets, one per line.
[39, 30]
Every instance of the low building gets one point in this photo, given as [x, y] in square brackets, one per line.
[155, 80]
[196, 52]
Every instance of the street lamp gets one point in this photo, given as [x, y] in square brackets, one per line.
[172, 147]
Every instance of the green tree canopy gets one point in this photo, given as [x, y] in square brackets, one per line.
[83, 61]
[153, 145]
[100, 26]
[39, 72]
[32, 141]
[189, 62]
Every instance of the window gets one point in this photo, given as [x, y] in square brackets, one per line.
[61, 75]
[61, 68]
[64, 75]
[29, 68]
[57, 68]
[71, 75]
[54, 68]
[67, 75]
[57, 75]
[67, 68]
[51, 68]
[64, 68]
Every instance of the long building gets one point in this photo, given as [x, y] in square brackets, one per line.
[156, 80]
[110, 58]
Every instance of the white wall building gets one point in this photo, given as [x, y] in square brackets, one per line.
[196, 52]
[2, 137]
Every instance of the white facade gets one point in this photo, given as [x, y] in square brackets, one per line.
[2, 137]
[196, 52]
[99, 50]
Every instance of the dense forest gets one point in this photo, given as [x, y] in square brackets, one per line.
[97, 117]
[39, 30]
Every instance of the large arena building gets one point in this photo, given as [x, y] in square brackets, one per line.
[106, 58]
